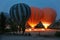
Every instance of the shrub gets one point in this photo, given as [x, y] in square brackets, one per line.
[57, 34]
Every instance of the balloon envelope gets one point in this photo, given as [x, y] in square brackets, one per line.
[49, 16]
[35, 17]
[20, 13]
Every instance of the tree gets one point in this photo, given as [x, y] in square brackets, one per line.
[3, 22]
[12, 24]
[55, 25]
[0, 20]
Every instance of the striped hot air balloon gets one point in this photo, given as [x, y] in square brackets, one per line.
[36, 15]
[49, 16]
[20, 13]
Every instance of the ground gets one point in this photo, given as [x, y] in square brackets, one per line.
[15, 37]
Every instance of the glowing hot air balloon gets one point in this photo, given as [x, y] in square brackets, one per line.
[35, 17]
[49, 16]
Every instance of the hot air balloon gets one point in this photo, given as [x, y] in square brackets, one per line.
[20, 13]
[49, 16]
[35, 17]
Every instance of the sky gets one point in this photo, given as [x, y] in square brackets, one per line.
[55, 4]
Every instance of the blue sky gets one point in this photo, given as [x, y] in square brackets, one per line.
[55, 4]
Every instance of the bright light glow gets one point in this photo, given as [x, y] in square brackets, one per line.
[43, 29]
[46, 25]
[32, 25]
[35, 30]
[29, 29]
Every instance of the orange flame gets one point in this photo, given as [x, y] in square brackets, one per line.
[32, 25]
[46, 25]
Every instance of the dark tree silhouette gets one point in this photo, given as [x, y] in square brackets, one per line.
[0, 21]
[3, 22]
[12, 24]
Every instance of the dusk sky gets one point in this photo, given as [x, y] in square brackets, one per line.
[55, 4]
